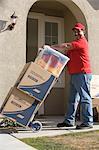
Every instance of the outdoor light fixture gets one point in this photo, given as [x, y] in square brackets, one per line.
[13, 20]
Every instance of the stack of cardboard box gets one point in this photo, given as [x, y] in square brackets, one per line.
[33, 85]
[29, 91]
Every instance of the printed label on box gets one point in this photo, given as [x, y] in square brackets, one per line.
[36, 82]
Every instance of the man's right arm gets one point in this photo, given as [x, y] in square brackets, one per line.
[63, 47]
[58, 47]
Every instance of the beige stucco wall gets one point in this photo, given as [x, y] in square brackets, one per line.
[13, 43]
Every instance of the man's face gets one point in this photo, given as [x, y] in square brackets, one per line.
[76, 32]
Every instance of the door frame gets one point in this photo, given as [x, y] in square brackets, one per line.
[41, 38]
[41, 26]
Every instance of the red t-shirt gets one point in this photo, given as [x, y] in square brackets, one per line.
[79, 57]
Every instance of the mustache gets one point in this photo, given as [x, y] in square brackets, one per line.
[76, 34]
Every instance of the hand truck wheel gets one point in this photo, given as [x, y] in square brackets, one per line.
[35, 126]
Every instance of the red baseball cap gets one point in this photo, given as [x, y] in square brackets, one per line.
[79, 26]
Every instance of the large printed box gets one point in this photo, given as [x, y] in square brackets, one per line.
[35, 81]
[19, 106]
[94, 90]
[94, 87]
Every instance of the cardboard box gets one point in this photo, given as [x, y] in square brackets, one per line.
[36, 81]
[19, 106]
[22, 73]
[94, 86]
[95, 103]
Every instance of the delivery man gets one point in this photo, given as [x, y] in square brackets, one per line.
[80, 77]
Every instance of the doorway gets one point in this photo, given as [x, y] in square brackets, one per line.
[46, 30]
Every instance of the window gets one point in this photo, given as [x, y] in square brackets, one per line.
[51, 33]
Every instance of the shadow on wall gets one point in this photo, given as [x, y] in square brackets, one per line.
[2, 24]
[94, 4]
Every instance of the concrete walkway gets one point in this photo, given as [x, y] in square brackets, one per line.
[12, 142]
[50, 129]
[8, 142]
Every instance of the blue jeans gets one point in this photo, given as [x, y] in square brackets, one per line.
[80, 93]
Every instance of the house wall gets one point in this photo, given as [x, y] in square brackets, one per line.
[13, 43]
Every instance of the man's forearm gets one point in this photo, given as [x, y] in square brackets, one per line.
[58, 47]
[62, 47]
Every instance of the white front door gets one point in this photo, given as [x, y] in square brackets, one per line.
[42, 30]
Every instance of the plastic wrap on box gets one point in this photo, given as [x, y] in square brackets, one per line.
[52, 60]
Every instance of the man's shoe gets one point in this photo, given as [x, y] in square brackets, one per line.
[83, 126]
[63, 124]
